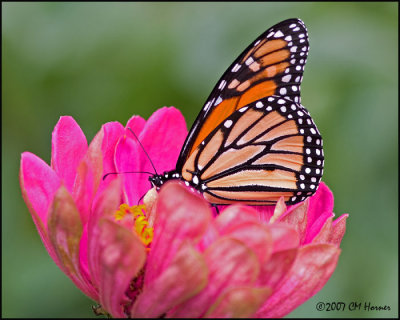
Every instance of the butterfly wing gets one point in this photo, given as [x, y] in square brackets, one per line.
[267, 149]
[272, 65]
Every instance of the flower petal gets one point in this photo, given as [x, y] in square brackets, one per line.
[104, 206]
[39, 183]
[181, 215]
[231, 263]
[235, 215]
[136, 124]
[275, 269]
[112, 132]
[121, 257]
[297, 217]
[182, 279]
[89, 176]
[69, 146]
[324, 233]
[311, 270]
[255, 235]
[162, 138]
[284, 236]
[338, 230]
[240, 302]
[65, 231]
[320, 202]
[127, 160]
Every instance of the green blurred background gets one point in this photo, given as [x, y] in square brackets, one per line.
[101, 62]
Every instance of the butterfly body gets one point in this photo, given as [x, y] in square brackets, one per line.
[253, 141]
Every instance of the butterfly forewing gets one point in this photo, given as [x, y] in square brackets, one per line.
[267, 149]
[272, 65]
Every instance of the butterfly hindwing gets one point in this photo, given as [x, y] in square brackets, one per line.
[266, 149]
[272, 65]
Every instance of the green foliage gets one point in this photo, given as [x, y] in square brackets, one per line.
[102, 62]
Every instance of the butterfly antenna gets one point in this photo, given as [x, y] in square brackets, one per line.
[143, 150]
[107, 174]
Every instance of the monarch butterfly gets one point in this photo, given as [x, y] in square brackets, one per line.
[253, 141]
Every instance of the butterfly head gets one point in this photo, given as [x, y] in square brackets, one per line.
[157, 180]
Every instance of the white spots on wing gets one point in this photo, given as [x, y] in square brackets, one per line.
[257, 42]
[270, 34]
[243, 109]
[195, 180]
[219, 100]
[281, 101]
[259, 104]
[249, 61]
[283, 109]
[293, 49]
[286, 78]
[278, 34]
[292, 25]
[222, 85]
[288, 38]
[207, 106]
[236, 67]
[282, 91]
[228, 123]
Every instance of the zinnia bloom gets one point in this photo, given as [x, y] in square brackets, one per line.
[171, 256]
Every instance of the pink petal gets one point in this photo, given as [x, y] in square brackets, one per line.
[275, 269]
[297, 217]
[313, 267]
[89, 176]
[240, 302]
[69, 146]
[121, 257]
[181, 215]
[105, 205]
[127, 160]
[162, 138]
[182, 279]
[112, 132]
[136, 124]
[39, 183]
[255, 235]
[320, 202]
[284, 236]
[320, 228]
[231, 264]
[280, 209]
[235, 215]
[65, 231]
[338, 230]
[324, 233]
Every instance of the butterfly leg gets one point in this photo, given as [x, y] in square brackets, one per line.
[216, 208]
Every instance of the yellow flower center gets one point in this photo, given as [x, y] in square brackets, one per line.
[140, 222]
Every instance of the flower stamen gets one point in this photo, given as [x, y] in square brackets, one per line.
[140, 222]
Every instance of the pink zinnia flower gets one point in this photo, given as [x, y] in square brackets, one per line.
[170, 257]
